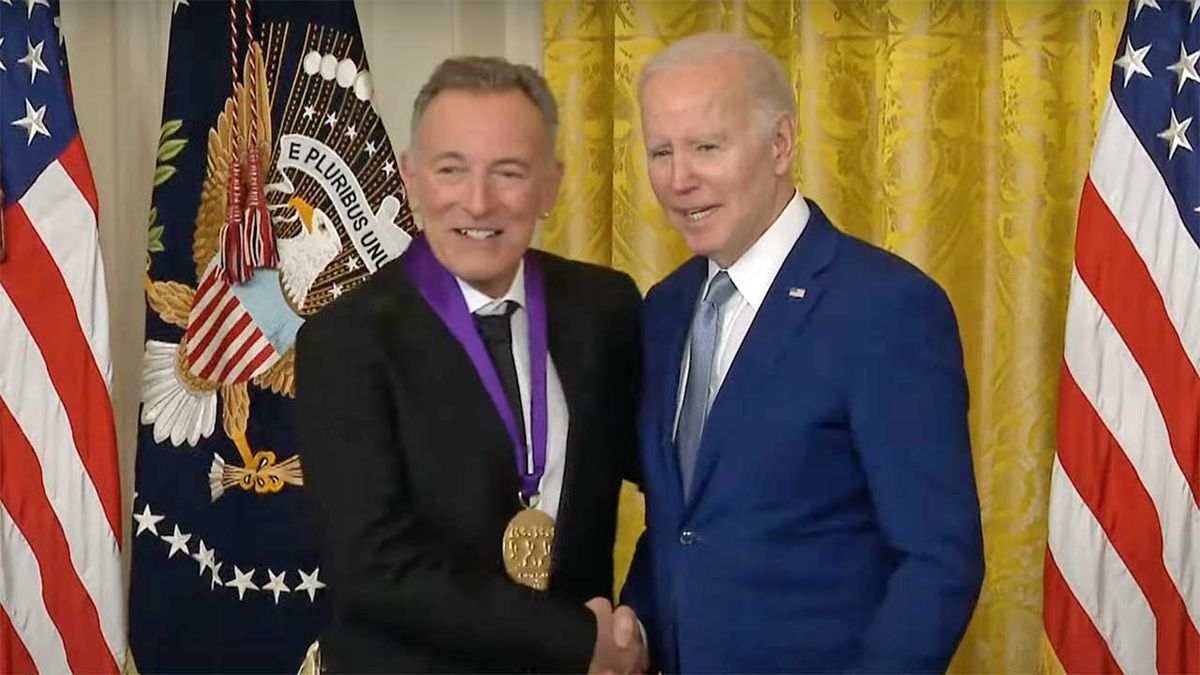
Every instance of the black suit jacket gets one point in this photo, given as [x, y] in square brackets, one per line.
[412, 478]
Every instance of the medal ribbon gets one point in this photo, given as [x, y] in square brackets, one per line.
[440, 289]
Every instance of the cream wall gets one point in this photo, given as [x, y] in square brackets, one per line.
[118, 51]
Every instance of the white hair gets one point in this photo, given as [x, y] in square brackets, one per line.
[766, 82]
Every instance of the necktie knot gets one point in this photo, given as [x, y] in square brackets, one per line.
[497, 328]
[719, 289]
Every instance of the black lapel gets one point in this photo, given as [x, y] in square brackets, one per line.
[445, 363]
[678, 308]
[572, 345]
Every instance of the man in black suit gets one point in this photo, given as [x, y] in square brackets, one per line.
[467, 415]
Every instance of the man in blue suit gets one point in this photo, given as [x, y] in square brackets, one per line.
[810, 500]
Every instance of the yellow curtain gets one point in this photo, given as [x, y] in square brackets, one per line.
[956, 134]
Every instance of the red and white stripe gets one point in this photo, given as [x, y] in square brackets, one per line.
[1121, 583]
[61, 592]
[224, 344]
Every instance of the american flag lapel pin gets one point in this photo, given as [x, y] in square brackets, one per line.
[796, 293]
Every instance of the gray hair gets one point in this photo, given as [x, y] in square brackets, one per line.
[766, 82]
[487, 74]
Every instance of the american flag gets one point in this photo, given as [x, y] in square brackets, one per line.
[62, 605]
[1122, 574]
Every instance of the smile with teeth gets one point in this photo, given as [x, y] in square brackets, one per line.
[479, 234]
[699, 214]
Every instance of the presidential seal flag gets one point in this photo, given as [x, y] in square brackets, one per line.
[62, 603]
[276, 191]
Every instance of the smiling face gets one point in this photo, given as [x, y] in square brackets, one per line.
[719, 166]
[481, 171]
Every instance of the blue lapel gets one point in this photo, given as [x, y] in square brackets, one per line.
[778, 320]
[681, 294]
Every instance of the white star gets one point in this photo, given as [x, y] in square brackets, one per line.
[310, 583]
[389, 168]
[147, 521]
[1176, 133]
[205, 557]
[351, 132]
[370, 147]
[33, 59]
[33, 3]
[276, 585]
[178, 542]
[1195, 7]
[32, 122]
[351, 264]
[7, 2]
[58, 29]
[1153, 4]
[1133, 61]
[331, 120]
[309, 112]
[178, 4]
[242, 581]
[1, 62]
[1185, 67]
[336, 291]
[216, 577]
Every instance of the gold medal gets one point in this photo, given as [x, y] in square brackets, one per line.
[528, 542]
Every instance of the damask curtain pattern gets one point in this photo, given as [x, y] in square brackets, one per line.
[956, 134]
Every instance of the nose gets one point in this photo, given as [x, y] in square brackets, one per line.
[683, 177]
[478, 200]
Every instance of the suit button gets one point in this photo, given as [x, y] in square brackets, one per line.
[686, 537]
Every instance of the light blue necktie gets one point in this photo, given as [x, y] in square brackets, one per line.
[705, 327]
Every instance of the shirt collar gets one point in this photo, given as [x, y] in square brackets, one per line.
[481, 303]
[754, 272]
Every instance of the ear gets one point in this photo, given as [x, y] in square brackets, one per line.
[783, 143]
[408, 169]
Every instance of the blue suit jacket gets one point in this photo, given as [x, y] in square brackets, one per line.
[833, 522]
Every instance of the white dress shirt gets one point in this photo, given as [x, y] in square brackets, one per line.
[556, 402]
[752, 276]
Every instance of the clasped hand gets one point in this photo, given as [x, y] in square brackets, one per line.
[619, 649]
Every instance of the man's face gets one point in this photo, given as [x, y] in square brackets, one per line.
[481, 172]
[714, 164]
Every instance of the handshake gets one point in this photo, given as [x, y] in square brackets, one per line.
[619, 648]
